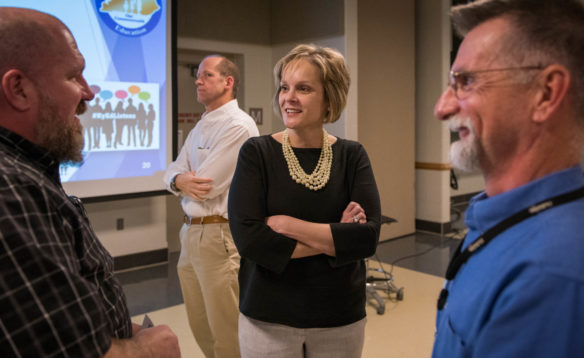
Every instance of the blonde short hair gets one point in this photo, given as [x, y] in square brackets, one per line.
[334, 76]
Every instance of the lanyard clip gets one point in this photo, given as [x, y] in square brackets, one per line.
[442, 299]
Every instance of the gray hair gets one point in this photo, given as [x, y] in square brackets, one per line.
[544, 32]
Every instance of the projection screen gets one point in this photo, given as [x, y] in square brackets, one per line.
[127, 128]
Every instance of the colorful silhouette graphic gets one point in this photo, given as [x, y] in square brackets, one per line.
[118, 126]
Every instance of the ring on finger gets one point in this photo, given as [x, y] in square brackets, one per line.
[355, 219]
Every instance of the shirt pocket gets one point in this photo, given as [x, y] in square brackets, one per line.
[201, 154]
[449, 343]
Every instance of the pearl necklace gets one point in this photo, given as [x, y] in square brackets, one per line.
[321, 174]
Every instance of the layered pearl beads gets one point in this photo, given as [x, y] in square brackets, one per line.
[321, 174]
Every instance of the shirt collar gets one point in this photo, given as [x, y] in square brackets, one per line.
[24, 149]
[220, 111]
[485, 212]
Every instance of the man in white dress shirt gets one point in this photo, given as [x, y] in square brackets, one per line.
[209, 262]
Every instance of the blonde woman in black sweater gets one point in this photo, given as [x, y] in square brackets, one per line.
[303, 237]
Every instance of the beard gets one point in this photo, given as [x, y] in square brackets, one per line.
[464, 153]
[62, 137]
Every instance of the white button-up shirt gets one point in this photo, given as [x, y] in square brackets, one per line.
[211, 150]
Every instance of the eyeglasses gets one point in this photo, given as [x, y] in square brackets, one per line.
[461, 81]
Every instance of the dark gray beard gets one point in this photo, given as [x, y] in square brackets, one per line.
[61, 137]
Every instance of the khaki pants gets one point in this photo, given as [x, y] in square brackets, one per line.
[207, 270]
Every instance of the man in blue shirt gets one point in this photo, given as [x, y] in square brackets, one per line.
[516, 99]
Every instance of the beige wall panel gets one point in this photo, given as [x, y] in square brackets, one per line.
[226, 20]
[293, 21]
[386, 104]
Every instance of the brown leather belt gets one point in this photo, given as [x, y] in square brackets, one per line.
[213, 219]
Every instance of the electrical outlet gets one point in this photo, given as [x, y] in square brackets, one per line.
[120, 224]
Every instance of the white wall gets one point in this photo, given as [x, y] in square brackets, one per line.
[468, 183]
[257, 83]
[433, 42]
[433, 45]
[144, 224]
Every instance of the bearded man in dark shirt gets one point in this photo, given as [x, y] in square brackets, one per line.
[58, 294]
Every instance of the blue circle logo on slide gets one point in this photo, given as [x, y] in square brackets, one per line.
[129, 17]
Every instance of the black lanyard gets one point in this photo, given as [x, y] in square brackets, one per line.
[460, 258]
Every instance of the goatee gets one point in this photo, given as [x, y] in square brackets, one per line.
[464, 153]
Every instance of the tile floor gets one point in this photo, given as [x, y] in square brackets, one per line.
[405, 329]
[156, 287]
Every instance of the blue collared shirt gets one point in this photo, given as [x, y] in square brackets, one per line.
[522, 295]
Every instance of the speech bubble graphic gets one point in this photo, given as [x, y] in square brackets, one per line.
[106, 94]
[134, 89]
[121, 94]
[144, 95]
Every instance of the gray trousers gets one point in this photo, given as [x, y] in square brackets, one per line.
[259, 339]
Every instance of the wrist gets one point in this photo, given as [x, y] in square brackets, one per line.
[172, 184]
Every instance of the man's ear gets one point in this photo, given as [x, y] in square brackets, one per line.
[552, 88]
[229, 81]
[17, 89]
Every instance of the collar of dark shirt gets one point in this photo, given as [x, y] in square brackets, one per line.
[25, 150]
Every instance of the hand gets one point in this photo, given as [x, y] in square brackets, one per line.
[159, 341]
[354, 213]
[155, 342]
[192, 185]
[135, 328]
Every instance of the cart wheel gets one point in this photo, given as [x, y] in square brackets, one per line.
[400, 294]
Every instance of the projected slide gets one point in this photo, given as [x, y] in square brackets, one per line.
[125, 45]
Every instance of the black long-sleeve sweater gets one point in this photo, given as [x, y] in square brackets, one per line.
[315, 291]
